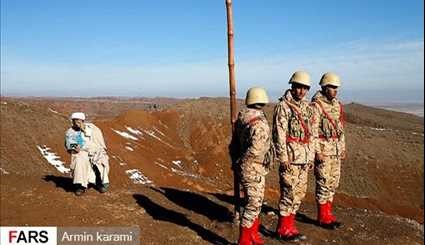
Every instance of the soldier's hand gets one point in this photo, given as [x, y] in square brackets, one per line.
[310, 166]
[319, 158]
[285, 165]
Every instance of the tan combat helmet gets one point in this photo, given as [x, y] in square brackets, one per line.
[256, 95]
[330, 78]
[301, 77]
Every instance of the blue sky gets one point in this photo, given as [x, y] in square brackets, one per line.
[179, 48]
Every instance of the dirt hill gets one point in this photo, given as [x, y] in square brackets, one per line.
[170, 173]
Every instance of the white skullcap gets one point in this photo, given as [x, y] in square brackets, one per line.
[78, 115]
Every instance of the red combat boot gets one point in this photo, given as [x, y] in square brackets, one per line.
[332, 217]
[245, 235]
[300, 236]
[325, 217]
[287, 231]
[255, 234]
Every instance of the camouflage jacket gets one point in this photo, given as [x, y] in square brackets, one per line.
[292, 130]
[329, 125]
[251, 139]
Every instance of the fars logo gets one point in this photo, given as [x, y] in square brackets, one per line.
[28, 235]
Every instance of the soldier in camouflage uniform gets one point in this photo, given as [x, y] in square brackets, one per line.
[295, 147]
[251, 142]
[331, 150]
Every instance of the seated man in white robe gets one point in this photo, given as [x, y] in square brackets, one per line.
[89, 160]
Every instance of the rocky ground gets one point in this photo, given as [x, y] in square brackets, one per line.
[170, 173]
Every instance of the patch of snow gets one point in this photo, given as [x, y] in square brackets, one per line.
[165, 126]
[177, 163]
[134, 131]
[53, 159]
[195, 162]
[157, 130]
[137, 177]
[152, 134]
[123, 163]
[125, 134]
[50, 109]
[414, 133]
[161, 165]
[4, 103]
[129, 148]
[3, 171]
[379, 129]
[182, 173]
[118, 157]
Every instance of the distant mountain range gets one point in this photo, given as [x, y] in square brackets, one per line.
[412, 108]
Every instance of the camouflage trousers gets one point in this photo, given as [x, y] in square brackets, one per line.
[293, 187]
[327, 178]
[253, 180]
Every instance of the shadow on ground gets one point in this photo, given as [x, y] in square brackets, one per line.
[265, 209]
[160, 213]
[197, 203]
[61, 182]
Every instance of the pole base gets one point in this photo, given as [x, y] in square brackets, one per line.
[236, 219]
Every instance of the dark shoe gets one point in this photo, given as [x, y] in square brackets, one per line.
[331, 226]
[104, 188]
[80, 191]
[291, 238]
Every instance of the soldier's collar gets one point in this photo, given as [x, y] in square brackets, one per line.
[288, 96]
[325, 99]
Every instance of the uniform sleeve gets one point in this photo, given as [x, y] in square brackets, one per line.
[315, 123]
[280, 127]
[342, 137]
[259, 134]
[342, 143]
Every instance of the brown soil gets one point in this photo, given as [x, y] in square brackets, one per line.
[183, 151]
